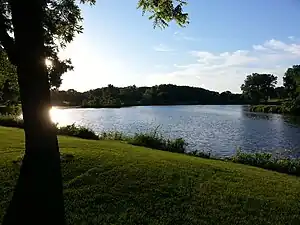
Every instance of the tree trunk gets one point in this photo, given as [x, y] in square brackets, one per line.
[38, 197]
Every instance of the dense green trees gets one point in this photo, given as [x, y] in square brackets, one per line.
[9, 90]
[165, 94]
[279, 93]
[259, 86]
[291, 81]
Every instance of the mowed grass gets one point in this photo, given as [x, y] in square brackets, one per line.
[110, 182]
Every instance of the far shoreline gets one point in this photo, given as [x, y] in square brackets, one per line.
[128, 106]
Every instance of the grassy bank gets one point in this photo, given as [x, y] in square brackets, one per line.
[110, 182]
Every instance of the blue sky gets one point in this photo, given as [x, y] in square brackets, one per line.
[225, 41]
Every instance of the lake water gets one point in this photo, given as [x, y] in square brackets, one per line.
[220, 130]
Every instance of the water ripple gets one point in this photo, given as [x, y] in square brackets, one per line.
[218, 129]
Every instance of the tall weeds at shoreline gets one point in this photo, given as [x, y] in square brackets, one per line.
[77, 131]
[268, 161]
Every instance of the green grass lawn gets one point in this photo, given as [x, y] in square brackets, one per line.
[110, 182]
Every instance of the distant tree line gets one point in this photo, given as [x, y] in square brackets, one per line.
[165, 94]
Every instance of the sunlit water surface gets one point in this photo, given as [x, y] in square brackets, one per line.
[217, 129]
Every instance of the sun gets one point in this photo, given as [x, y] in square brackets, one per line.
[48, 63]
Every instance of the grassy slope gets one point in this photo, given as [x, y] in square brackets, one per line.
[115, 183]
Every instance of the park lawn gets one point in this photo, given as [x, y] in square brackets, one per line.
[110, 182]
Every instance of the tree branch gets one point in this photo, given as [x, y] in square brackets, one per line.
[7, 41]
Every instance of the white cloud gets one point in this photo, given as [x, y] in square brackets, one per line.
[291, 38]
[162, 48]
[178, 35]
[227, 70]
[238, 57]
[293, 49]
[259, 48]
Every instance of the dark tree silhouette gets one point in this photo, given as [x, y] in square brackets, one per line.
[30, 32]
[259, 86]
[291, 81]
[164, 94]
[38, 194]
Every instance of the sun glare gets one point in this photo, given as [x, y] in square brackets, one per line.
[48, 62]
[60, 116]
[53, 114]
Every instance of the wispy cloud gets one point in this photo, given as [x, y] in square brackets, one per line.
[227, 70]
[291, 38]
[178, 35]
[281, 47]
[259, 48]
[163, 48]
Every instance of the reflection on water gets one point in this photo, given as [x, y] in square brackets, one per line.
[219, 129]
